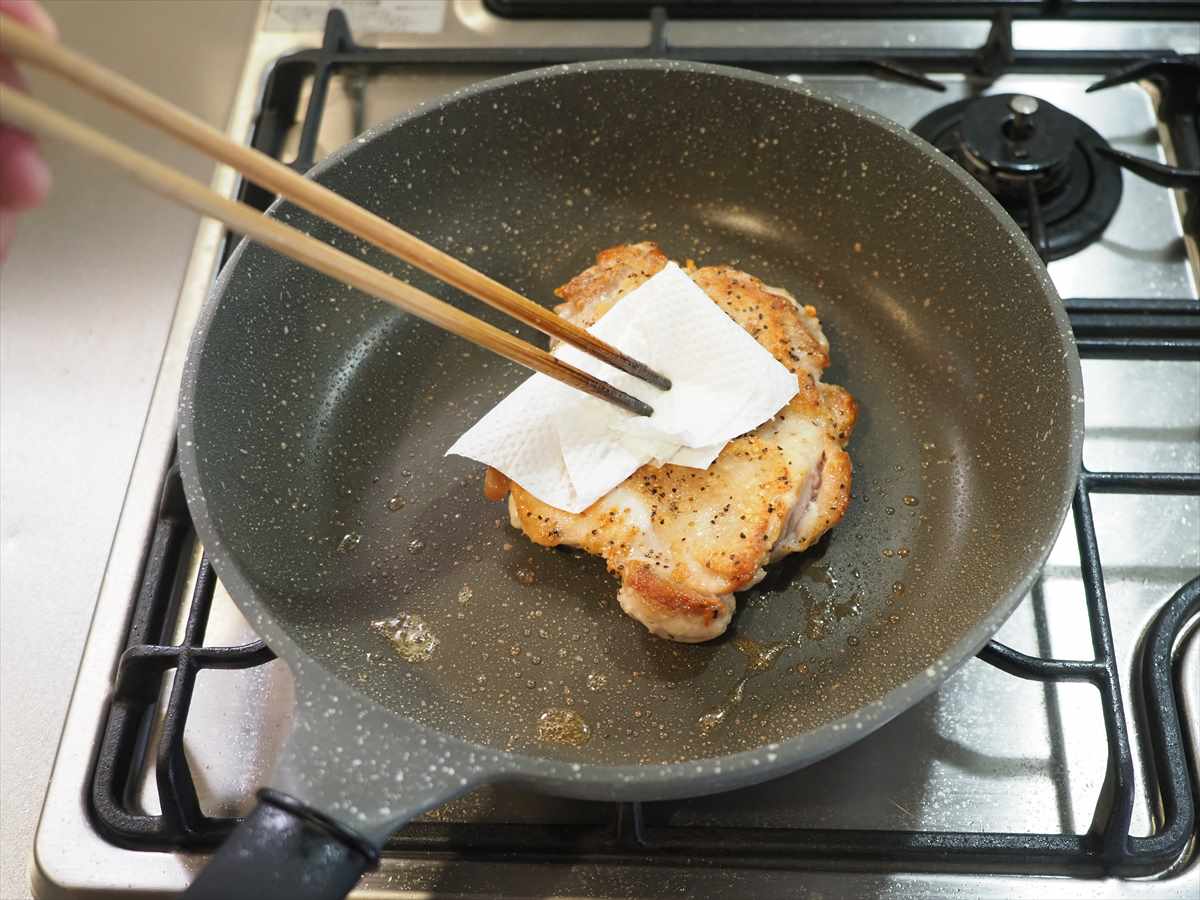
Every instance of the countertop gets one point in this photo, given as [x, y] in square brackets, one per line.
[86, 298]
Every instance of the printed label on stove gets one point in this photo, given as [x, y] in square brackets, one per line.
[365, 16]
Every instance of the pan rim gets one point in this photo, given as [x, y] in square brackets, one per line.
[646, 781]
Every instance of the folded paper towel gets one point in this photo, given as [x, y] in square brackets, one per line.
[569, 449]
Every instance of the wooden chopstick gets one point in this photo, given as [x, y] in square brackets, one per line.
[25, 43]
[29, 114]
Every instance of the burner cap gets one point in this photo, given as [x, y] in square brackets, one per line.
[1016, 135]
[1040, 162]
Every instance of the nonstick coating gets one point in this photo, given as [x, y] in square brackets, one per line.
[315, 420]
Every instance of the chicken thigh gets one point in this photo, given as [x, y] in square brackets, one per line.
[684, 540]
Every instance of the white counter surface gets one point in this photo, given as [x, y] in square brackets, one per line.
[86, 298]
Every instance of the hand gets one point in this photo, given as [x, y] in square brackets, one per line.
[24, 176]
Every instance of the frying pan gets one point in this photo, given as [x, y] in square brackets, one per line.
[313, 424]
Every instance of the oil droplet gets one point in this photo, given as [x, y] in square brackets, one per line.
[596, 681]
[349, 542]
[713, 718]
[911, 501]
[897, 587]
[847, 608]
[902, 553]
[822, 574]
[819, 619]
[526, 576]
[759, 656]
[396, 503]
[563, 726]
[411, 637]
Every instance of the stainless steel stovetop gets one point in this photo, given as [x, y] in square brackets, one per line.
[988, 752]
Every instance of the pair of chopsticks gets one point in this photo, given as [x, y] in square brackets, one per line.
[26, 113]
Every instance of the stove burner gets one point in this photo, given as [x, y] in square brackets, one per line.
[1042, 164]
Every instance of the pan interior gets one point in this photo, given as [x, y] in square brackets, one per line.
[321, 417]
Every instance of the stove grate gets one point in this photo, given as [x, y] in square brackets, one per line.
[1110, 848]
[1114, 328]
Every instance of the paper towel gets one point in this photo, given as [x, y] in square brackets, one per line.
[569, 449]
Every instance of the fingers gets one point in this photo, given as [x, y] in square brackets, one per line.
[24, 175]
[29, 12]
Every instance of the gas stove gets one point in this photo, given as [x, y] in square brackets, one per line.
[1061, 763]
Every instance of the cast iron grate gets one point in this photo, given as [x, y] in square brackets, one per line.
[1110, 328]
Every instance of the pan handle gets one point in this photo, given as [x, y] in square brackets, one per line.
[285, 850]
[347, 755]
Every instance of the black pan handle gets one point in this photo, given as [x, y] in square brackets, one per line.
[285, 850]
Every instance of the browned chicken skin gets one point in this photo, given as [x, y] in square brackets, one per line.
[683, 540]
